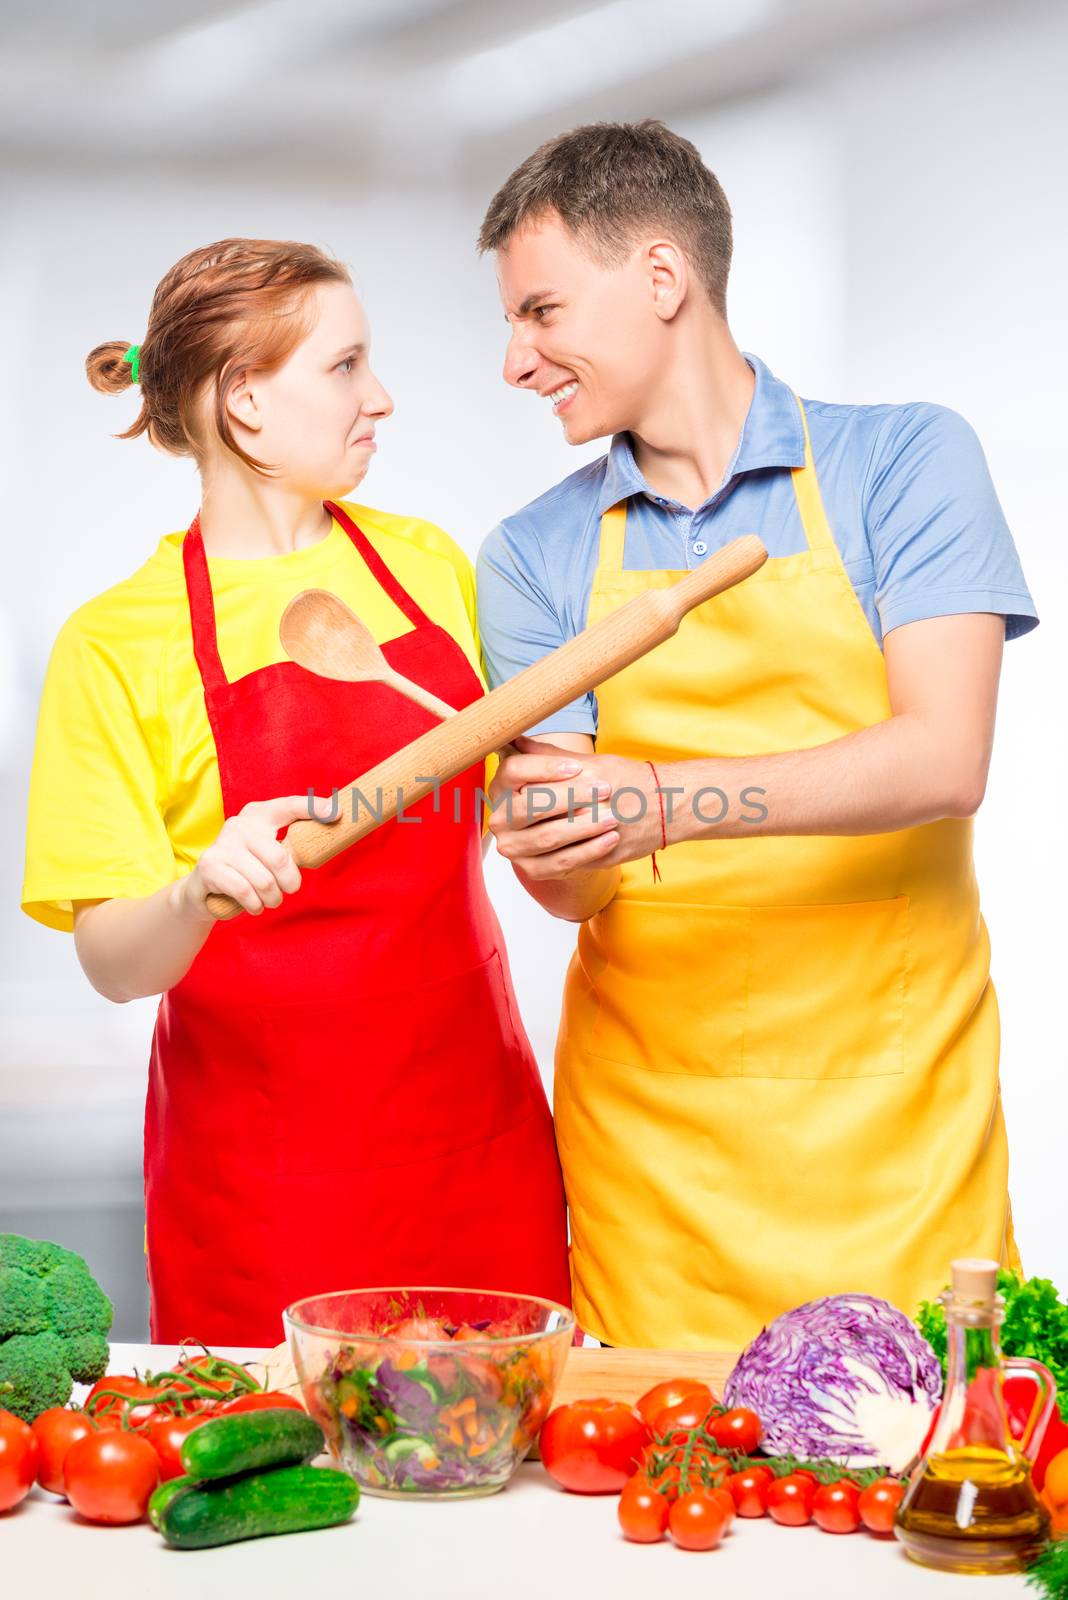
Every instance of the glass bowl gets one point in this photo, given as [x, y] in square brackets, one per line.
[429, 1393]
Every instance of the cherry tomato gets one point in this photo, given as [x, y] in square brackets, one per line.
[55, 1431]
[749, 1490]
[642, 1511]
[697, 1521]
[738, 1429]
[109, 1477]
[19, 1454]
[790, 1500]
[167, 1435]
[878, 1504]
[662, 1465]
[133, 1397]
[419, 1328]
[593, 1446]
[673, 1392]
[834, 1508]
[724, 1498]
[680, 1418]
[261, 1400]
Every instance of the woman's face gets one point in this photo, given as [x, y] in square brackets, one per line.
[313, 419]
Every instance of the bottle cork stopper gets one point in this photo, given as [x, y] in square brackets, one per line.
[975, 1280]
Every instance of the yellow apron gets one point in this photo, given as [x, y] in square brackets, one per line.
[777, 1072]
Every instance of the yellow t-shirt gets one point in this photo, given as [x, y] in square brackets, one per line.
[125, 792]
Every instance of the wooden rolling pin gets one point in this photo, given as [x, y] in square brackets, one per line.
[591, 657]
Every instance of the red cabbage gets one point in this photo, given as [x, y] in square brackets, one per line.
[847, 1376]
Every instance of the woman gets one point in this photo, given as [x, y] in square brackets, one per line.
[340, 1090]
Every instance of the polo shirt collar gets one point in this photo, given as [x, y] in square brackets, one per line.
[772, 436]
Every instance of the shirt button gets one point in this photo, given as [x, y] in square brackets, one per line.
[699, 547]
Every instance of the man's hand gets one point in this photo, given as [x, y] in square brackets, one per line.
[556, 813]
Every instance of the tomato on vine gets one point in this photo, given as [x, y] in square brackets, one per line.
[878, 1504]
[698, 1520]
[834, 1507]
[674, 1392]
[738, 1429]
[790, 1499]
[642, 1511]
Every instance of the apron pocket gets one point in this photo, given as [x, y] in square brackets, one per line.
[389, 1079]
[827, 990]
[671, 996]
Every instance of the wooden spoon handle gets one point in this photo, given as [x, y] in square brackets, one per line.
[591, 657]
[415, 691]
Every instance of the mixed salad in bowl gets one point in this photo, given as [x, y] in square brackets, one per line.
[429, 1392]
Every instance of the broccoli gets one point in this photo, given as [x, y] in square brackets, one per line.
[54, 1323]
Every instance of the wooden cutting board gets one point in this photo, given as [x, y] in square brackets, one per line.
[626, 1374]
[594, 1374]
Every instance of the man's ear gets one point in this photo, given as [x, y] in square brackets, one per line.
[669, 277]
[241, 402]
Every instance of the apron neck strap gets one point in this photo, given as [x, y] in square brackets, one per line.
[613, 534]
[809, 500]
[201, 607]
[395, 590]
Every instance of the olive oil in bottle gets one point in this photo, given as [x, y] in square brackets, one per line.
[970, 1505]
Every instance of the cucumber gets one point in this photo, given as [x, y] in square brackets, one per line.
[281, 1500]
[248, 1441]
[162, 1496]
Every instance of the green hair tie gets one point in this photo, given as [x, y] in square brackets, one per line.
[133, 356]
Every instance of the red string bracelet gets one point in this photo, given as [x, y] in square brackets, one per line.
[663, 827]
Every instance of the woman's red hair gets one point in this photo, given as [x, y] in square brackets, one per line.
[237, 305]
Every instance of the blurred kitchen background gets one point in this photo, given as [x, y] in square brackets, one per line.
[897, 171]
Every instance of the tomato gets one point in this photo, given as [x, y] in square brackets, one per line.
[681, 1418]
[738, 1429]
[109, 1477]
[132, 1396]
[834, 1508]
[790, 1500]
[724, 1498]
[167, 1435]
[697, 1521]
[642, 1511]
[749, 1490]
[661, 1465]
[55, 1431]
[19, 1453]
[878, 1504]
[673, 1392]
[593, 1446]
[261, 1400]
[419, 1328]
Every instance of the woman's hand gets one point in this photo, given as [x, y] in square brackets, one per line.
[247, 860]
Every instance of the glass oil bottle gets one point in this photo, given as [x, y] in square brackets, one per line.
[970, 1504]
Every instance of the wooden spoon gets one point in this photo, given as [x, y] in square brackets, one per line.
[319, 632]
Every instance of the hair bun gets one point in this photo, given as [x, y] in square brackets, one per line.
[106, 369]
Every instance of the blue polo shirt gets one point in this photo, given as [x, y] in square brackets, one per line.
[907, 493]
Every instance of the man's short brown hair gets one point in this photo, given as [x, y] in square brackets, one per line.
[607, 182]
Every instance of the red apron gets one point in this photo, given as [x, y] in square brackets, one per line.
[341, 1093]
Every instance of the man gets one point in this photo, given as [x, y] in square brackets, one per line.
[777, 1072]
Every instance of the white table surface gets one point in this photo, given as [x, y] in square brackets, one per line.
[530, 1540]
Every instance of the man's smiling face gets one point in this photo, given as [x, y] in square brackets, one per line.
[585, 336]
